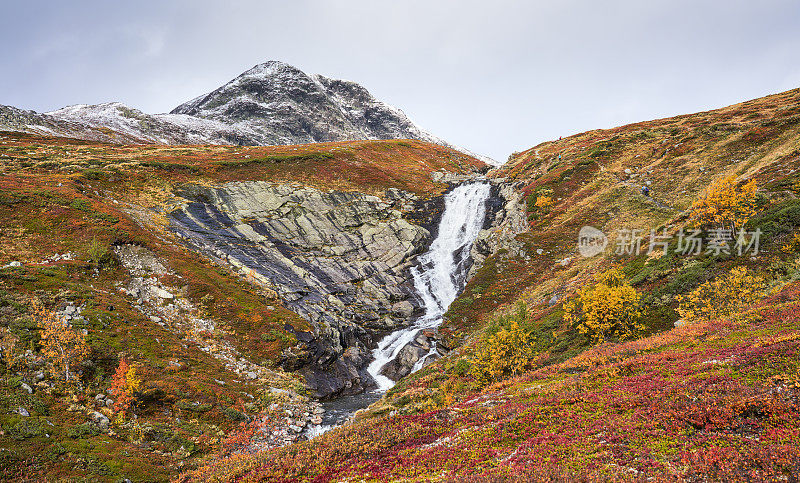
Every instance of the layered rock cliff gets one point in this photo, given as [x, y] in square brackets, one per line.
[340, 259]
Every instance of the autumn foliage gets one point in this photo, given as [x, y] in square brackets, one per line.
[8, 342]
[725, 203]
[609, 308]
[124, 384]
[544, 202]
[62, 346]
[500, 355]
[721, 297]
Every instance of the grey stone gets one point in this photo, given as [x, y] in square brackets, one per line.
[100, 419]
[340, 259]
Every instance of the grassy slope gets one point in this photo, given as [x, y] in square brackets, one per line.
[707, 399]
[59, 195]
[714, 400]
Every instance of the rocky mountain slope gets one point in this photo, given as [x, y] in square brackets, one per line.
[685, 400]
[339, 259]
[241, 282]
[284, 105]
[273, 103]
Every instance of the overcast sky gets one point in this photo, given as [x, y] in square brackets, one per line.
[495, 76]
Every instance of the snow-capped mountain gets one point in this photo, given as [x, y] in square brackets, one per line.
[272, 103]
[287, 106]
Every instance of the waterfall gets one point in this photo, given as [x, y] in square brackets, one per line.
[441, 273]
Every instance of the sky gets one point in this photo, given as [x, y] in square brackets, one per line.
[493, 76]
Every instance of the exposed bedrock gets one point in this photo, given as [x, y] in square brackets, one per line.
[340, 259]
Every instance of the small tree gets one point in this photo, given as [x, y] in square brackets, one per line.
[62, 346]
[725, 203]
[500, 355]
[609, 308]
[8, 342]
[721, 297]
[124, 384]
[97, 251]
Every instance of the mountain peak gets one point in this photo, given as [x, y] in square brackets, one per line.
[269, 68]
[292, 107]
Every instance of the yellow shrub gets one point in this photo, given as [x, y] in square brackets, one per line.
[609, 308]
[793, 246]
[544, 203]
[502, 354]
[721, 297]
[726, 204]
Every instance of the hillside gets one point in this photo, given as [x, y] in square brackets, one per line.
[91, 231]
[682, 399]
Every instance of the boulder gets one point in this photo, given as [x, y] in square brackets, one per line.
[99, 419]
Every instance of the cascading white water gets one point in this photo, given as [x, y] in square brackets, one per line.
[441, 273]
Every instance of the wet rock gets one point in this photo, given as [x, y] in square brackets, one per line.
[506, 218]
[408, 356]
[403, 309]
[340, 259]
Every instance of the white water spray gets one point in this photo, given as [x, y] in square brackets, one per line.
[441, 274]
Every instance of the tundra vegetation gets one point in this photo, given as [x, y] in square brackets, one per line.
[662, 365]
[623, 366]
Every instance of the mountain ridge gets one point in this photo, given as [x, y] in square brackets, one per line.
[272, 103]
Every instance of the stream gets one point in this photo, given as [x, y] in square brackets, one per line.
[439, 277]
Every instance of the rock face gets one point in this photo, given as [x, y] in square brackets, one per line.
[339, 259]
[505, 220]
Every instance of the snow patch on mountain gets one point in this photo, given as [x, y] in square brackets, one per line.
[272, 103]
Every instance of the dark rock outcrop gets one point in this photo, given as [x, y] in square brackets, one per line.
[339, 259]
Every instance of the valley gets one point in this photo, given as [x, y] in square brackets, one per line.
[397, 309]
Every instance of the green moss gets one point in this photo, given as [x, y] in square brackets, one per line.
[169, 166]
[22, 428]
[277, 158]
[84, 430]
[777, 220]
